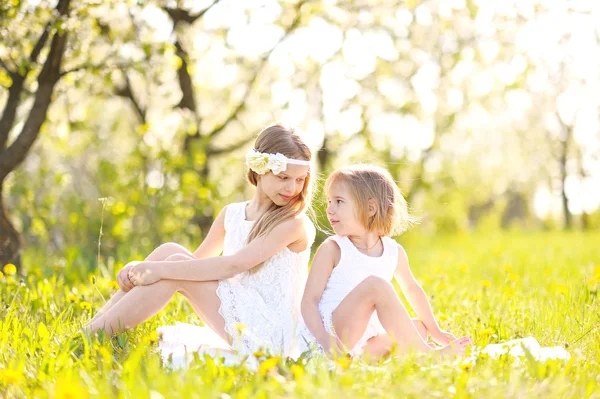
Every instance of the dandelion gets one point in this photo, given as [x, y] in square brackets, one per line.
[72, 298]
[467, 364]
[297, 371]
[1, 275]
[66, 390]
[462, 267]
[258, 354]
[240, 328]
[268, 365]
[10, 269]
[508, 267]
[512, 277]
[11, 377]
[152, 337]
[486, 332]
[486, 283]
[85, 305]
[561, 289]
[344, 361]
[113, 284]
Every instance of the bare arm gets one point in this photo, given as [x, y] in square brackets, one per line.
[213, 243]
[414, 292]
[326, 257]
[223, 267]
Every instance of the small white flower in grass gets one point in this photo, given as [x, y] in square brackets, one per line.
[277, 163]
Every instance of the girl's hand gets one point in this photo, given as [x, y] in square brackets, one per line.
[143, 273]
[123, 279]
[443, 337]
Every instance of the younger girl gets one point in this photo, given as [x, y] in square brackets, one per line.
[258, 281]
[349, 301]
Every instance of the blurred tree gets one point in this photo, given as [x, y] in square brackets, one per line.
[24, 87]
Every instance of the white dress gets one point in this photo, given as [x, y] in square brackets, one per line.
[352, 269]
[260, 309]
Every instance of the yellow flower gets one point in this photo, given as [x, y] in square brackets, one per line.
[486, 283]
[240, 328]
[462, 267]
[1, 274]
[561, 289]
[344, 361]
[512, 277]
[486, 332]
[467, 364]
[114, 285]
[11, 377]
[70, 390]
[85, 305]
[297, 371]
[10, 269]
[508, 268]
[152, 337]
[259, 354]
[72, 298]
[267, 365]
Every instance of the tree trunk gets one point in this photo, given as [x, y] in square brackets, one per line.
[10, 243]
[563, 178]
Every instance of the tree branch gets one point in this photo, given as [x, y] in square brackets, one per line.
[100, 66]
[14, 93]
[263, 61]
[12, 156]
[236, 146]
[127, 92]
[180, 15]
[3, 64]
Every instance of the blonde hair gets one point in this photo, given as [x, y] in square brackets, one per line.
[280, 139]
[367, 182]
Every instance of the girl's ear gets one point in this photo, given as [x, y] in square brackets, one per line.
[372, 207]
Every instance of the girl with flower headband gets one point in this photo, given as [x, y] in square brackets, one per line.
[258, 281]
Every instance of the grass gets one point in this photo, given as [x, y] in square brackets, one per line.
[492, 286]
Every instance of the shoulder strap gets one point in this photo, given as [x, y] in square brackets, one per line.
[391, 248]
[233, 212]
[343, 242]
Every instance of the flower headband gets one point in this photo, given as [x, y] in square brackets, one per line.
[262, 162]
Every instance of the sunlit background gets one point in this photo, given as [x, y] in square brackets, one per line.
[486, 112]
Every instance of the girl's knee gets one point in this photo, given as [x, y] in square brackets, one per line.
[376, 283]
[167, 249]
[374, 286]
[176, 257]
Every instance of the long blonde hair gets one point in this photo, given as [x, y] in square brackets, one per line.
[372, 182]
[284, 140]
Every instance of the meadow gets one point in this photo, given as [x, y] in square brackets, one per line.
[492, 286]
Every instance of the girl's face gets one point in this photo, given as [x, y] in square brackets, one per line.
[285, 186]
[341, 211]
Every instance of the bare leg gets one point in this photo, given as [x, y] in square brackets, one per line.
[380, 345]
[162, 252]
[351, 317]
[143, 302]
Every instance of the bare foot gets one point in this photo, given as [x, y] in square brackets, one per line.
[456, 347]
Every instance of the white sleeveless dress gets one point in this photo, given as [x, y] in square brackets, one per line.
[352, 269]
[260, 309]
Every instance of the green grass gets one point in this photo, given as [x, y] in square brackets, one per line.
[493, 286]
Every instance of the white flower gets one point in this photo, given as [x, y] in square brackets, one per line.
[257, 161]
[277, 163]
